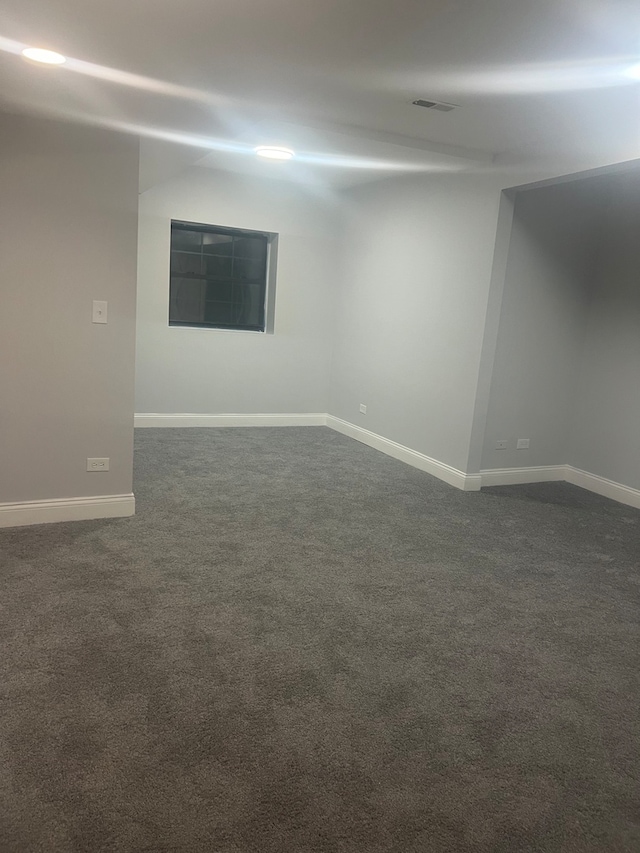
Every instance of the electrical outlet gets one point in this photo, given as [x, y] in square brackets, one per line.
[363, 408]
[523, 444]
[98, 464]
[501, 445]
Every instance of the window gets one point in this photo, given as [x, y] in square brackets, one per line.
[219, 276]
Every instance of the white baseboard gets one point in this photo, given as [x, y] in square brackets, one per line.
[195, 420]
[466, 482]
[517, 476]
[550, 473]
[66, 509]
[602, 486]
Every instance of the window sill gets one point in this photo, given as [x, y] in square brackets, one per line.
[216, 329]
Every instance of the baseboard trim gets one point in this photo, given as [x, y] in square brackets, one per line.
[151, 419]
[66, 509]
[551, 473]
[466, 482]
[604, 487]
[518, 476]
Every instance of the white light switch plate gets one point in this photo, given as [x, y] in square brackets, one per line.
[99, 312]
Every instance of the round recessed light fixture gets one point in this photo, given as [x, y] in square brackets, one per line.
[48, 57]
[634, 71]
[272, 152]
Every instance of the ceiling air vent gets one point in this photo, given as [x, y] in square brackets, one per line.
[435, 105]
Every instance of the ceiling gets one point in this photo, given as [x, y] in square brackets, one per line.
[205, 81]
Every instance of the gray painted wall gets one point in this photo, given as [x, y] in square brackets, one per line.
[398, 272]
[543, 316]
[68, 214]
[394, 275]
[211, 371]
[605, 433]
[411, 308]
[567, 358]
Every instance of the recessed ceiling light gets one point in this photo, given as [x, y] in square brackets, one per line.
[274, 153]
[49, 57]
[634, 71]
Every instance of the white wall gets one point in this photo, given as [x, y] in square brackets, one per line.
[211, 371]
[394, 276]
[567, 357]
[385, 298]
[542, 323]
[411, 307]
[606, 426]
[68, 218]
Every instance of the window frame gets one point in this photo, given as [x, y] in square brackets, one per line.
[266, 281]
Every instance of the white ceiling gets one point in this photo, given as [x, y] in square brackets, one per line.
[533, 79]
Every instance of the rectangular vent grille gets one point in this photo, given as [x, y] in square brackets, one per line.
[435, 105]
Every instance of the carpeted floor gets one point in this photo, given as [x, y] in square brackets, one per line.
[299, 644]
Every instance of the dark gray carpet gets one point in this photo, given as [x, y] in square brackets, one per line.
[299, 644]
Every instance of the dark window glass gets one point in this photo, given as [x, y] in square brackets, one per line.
[219, 291]
[217, 244]
[247, 248]
[218, 267]
[244, 269]
[218, 277]
[187, 241]
[186, 262]
[187, 300]
[219, 314]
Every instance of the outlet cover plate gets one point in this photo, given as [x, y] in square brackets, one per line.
[98, 463]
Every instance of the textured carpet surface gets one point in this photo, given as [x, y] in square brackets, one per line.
[299, 644]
